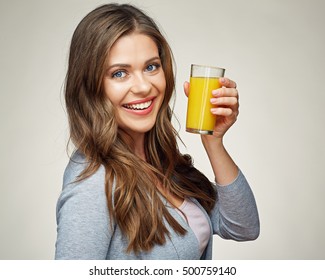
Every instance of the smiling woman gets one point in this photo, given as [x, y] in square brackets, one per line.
[128, 192]
[135, 84]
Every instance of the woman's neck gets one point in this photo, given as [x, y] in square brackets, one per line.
[139, 146]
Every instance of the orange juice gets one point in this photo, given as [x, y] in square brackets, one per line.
[199, 117]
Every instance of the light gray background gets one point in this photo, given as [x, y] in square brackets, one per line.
[274, 50]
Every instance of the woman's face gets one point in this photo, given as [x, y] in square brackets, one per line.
[135, 82]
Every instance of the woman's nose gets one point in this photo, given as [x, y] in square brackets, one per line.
[140, 84]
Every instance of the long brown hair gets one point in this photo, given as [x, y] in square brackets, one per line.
[134, 201]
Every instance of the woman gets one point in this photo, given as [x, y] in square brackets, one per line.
[128, 193]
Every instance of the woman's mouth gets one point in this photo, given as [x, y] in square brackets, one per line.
[138, 106]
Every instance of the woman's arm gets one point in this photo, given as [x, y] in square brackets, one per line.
[235, 215]
[224, 168]
[226, 107]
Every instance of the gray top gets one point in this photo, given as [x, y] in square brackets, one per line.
[83, 224]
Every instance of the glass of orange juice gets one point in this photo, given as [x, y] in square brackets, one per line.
[203, 80]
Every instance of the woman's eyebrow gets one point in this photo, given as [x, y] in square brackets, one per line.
[125, 65]
[152, 59]
[119, 65]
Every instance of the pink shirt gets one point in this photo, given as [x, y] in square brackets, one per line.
[197, 221]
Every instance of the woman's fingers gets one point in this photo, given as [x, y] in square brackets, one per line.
[224, 101]
[220, 111]
[225, 92]
[225, 82]
[186, 87]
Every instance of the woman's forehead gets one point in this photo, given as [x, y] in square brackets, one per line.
[132, 47]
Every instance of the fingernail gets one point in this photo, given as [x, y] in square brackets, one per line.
[213, 100]
[216, 92]
[222, 80]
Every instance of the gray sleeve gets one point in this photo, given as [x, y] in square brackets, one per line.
[83, 227]
[235, 215]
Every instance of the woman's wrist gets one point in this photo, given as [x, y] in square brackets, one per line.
[210, 141]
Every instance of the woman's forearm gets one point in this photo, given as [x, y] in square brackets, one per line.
[224, 168]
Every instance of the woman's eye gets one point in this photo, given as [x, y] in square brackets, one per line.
[152, 67]
[119, 74]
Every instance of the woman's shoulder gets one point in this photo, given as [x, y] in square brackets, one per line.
[78, 195]
[93, 185]
[77, 164]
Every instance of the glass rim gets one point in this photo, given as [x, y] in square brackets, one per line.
[208, 66]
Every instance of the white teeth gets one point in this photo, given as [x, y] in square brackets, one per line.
[139, 106]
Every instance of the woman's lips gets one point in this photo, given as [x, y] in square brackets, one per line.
[140, 107]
